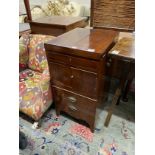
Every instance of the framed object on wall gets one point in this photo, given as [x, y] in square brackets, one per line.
[114, 14]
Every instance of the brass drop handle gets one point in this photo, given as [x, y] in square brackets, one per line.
[109, 63]
[72, 76]
[72, 99]
[110, 60]
[71, 107]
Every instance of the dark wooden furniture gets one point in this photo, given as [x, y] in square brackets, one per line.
[56, 25]
[115, 66]
[77, 67]
[123, 50]
[24, 28]
[120, 16]
[28, 10]
[53, 25]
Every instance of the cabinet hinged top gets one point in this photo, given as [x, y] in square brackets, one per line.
[59, 20]
[90, 43]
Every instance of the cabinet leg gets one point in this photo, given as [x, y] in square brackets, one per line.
[92, 129]
[91, 125]
[57, 112]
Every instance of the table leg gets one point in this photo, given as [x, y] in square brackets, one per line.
[126, 91]
[125, 74]
[114, 102]
[129, 81]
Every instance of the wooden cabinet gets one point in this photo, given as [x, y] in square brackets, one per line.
[77, 65]
[56, 25]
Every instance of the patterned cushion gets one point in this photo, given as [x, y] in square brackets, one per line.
[34, 93]
[23, 51]
[37, 55]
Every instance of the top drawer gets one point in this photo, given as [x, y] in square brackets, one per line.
[82, 63]
[78, 62]
[56, 57]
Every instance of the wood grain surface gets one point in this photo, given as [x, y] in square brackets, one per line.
[117, 14]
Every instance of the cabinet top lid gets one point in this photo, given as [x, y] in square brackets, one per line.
[59, 20]
[91, 43]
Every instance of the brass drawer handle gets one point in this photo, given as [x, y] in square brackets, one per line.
[72, 108]
[72, 76]
[108, 64]
[72, 99]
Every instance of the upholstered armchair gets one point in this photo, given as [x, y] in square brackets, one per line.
[35, 94]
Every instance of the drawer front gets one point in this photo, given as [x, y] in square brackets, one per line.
[59, 58]
[84, 82]
[86, 64]
[70, 102]
[77, 80]
[60, 75]
[78, 62]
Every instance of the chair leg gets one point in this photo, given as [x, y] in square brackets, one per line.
[36, 125]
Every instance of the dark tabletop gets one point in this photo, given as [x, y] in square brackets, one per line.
[124, 49]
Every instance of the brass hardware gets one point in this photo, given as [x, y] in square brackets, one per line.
[72, 99]
[108, 64]
[110, 60]
[71, 76]
[71, 107]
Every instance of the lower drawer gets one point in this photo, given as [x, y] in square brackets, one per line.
[80, 115]
[73, 103]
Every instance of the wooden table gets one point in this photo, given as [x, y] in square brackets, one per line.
[124, 50]
[24, 28]
[115, 66]
[77, 61]
[56, 25]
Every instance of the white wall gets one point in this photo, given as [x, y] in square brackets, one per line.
[84, 2]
